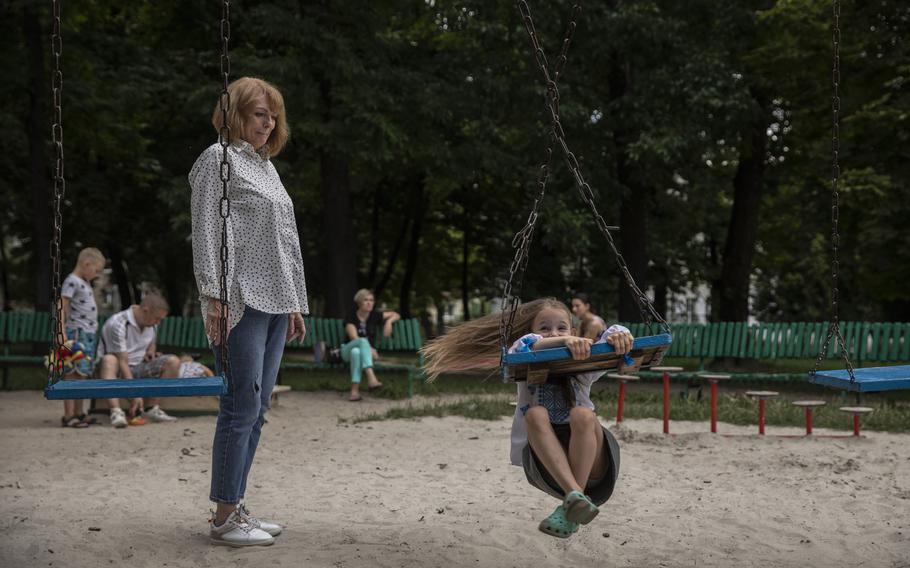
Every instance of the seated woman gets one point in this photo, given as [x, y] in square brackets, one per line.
[360, 327]
[590, 324]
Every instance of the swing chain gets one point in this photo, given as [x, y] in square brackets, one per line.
[523, 238]
[224, 205]
[834, 329]
[646, 308]
[55, 371]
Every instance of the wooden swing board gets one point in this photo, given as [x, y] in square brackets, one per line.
[869, 379]
[536, 366]
[133, 388]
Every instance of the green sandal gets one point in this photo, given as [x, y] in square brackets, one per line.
[579, 509]
[557, 525]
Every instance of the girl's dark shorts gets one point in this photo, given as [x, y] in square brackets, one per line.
[598, 490]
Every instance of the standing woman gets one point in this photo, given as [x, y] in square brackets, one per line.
[360, 326]
[266, 290]
[590, 325]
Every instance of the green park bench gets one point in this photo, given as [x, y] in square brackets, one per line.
[869, 342]
[189, 334]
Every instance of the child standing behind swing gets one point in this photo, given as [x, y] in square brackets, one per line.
[556, 436]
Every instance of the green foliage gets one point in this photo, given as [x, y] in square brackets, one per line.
[440, 101]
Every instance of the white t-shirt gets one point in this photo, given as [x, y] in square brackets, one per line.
[549, 394]
[121, 334]
[83, 312]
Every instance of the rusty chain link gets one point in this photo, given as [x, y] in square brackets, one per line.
[224, 137]
[834, 330]
[55, 370]
[224, 205]
[522, 239]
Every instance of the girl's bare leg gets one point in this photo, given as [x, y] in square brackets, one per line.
[586, 445]
[548, 450]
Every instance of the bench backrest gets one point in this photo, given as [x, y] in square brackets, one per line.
[189, 333]
[866, 341]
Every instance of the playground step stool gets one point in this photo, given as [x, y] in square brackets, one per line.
[761, 396]
[622, 391]
[856, 411]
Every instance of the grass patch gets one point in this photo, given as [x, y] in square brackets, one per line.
[892, 409]
[477, 408]
[890, 415]
[731, 409]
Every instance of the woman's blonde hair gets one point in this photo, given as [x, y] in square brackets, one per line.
[361, 295]
[474, 344]
[242, 92]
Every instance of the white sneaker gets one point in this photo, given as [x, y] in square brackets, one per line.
[271, 528]
[118, 418]
[236, 531]
[155, 414]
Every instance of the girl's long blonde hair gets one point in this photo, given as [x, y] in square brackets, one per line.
[474, 345]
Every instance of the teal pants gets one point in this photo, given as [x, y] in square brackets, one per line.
[359, 354]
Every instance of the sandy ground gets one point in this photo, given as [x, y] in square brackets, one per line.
[440, 492]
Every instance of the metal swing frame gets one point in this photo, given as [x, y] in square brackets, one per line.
[59, 389]
[535, 366]
[868, 379]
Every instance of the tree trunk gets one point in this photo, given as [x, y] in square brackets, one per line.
[633, 211]
[121, 277]
[37, 128]
[465, 250]
[341, 272]
[633, 207]
[410, 268]
[739, 249]
[661, 294]
[374, 236]
[4, 277]
[380, 286]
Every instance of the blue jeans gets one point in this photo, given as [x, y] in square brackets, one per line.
[359, 354]
[255, 347]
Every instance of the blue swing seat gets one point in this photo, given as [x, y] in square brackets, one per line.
[535, 366]
[133, 388]
[869, 379]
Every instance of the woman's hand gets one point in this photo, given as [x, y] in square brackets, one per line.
[580, 347]
[387, 328]
[375, 353]
[213, 321]
[621, 341]
[296, 327]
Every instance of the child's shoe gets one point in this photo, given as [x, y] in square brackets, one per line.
[579, 509]
[118, 418]
[558, 525]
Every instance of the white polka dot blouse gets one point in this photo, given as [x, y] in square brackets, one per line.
[265, 267]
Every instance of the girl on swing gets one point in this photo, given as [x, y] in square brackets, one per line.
[556, 436]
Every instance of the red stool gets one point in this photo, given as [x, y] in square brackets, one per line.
[809, 405]
[761, 396]
[666, 378]
[622, 391]
[856, 411]
[713, 379]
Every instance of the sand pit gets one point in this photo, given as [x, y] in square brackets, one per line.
[440, 492]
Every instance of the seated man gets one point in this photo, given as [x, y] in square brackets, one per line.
[126, 350]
